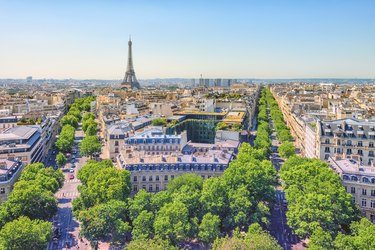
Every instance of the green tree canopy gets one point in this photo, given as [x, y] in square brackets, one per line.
[172, 222]
[143, 226]
[159, 122]
[287, 149]
[90, 145]
[60, 159]
[23, 233]
[91, 130]
[150, 244]
[88, 116]
[103, 220]
[28, 199]
[254, 239]
[92, 168]
[107, 184]
[69, 120]
[209, 229]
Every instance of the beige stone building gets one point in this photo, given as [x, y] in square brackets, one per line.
[359, 181]
[10, 171]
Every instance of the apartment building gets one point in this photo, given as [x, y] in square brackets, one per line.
[358, 180]
[10, 171]
[154, 158]
[22, 142]
[348, 137]
[115, 137]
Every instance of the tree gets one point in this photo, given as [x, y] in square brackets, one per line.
[92, 168]
[286, 149]
[150, 244]
[222, 126]
[103, 220]
[47, 178]
[66, 138]
[107, 184]
[209, 229]
[28, 199]
[362, 236]
[172, 222]
[87, 123]
[143, 225]
[91, 130]
[90, 145]
[159, 122]
[192, 180]
[320, 240]
[69, 120]
[60, 159]
[75, 112]
[254, 239]
[316, 197]
[88, 116]
[142, 201]
[214, 197]
[24, 233]
[284, 135]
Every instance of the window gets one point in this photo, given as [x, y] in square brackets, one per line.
[360, 144]
[364, 191]
[349, 151]
[2, 190]
[372, 192]
[327, 141]
[172, 177]
[370, 153]
[326, 150]
[150, 188]
[165, 177]
[116, 143]
[352, 190]
[135, 178]
[116, 150]
[371, 144]
[372, 203]
[150, 178]
[143, 178]
[144, 187]
[349, 142]
[157, 178]
[157, 188]
[364, 202]
[360, 152]
[135, 188]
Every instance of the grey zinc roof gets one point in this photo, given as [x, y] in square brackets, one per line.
[18, 133]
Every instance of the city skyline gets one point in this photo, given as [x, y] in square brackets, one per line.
[256, 39]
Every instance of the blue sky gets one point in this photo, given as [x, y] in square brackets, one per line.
[240, 39]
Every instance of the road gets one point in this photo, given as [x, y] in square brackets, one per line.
[279, 228]
[64, 219]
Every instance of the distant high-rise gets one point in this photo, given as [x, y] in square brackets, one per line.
[130, 80]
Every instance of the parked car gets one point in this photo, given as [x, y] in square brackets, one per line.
[71, 176]
[73, 165]
[71, 170]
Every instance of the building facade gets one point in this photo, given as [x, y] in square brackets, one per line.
[10, 171]
[348, 137]
[154, 158]
[359, 181]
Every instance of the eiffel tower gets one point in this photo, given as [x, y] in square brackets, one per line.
[130, 80]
